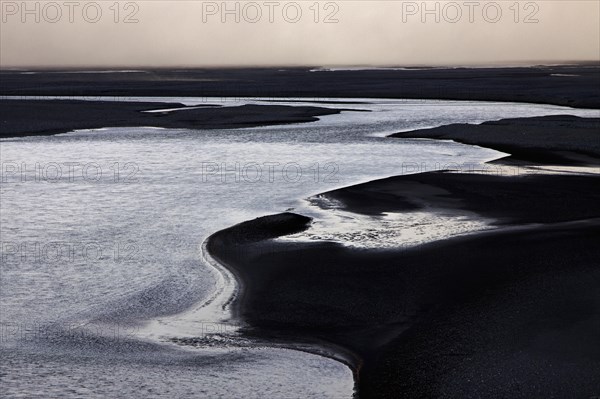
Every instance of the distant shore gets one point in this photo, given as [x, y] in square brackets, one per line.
[566, 85]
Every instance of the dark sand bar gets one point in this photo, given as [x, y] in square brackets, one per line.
[42, 117]
[556, 140]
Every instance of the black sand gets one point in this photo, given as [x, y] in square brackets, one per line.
[41, 117]
[512, 313]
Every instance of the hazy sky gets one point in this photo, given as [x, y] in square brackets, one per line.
[357, 32]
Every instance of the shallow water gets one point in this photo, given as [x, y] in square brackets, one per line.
[102, 232]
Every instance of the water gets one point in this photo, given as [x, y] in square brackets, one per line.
[102, 232]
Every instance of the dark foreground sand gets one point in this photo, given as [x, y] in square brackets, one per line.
[513, 312]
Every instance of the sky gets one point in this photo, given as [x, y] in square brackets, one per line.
[190, 33]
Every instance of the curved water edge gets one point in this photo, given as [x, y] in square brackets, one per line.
[230, 299]
[215, 311]
[223, 305]
[229, 296]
